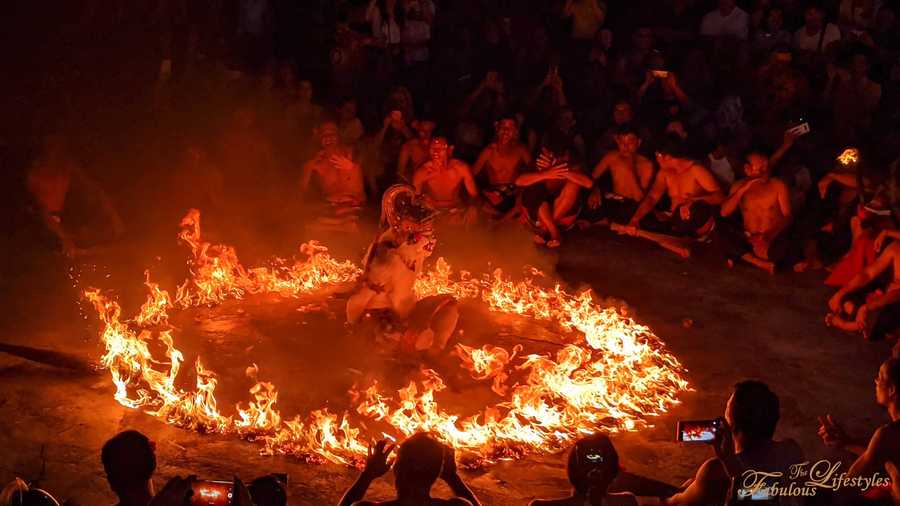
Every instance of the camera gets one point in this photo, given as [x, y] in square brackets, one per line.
[212, 493]
[697, 431]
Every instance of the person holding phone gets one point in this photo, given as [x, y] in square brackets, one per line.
[592, 467]
[421, 461]
[744, 441]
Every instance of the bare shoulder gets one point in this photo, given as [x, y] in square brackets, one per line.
[700, 170]
[459, 165]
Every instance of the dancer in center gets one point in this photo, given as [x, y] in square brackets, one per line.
[386, 289]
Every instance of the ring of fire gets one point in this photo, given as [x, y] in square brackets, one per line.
[614, 375]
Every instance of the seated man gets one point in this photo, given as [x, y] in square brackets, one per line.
[339, 178]
[421, 460]
[415, 151]
[550, 196]
[884, 446]
[694, 195]
[129, 460]
[593, 465]
[502, 160]
[876, 314]
[631, 175]
[387, 285]
[744, 442]
[440, 180]
[72, 207]
[765, 204]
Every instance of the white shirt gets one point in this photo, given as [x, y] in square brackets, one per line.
[805, 42]
[736, 23]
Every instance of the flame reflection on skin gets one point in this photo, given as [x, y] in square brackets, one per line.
[611, 372]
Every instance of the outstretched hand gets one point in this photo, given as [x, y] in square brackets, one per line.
[832, 432]
[724, 442]
[376, 463]
[177, 492]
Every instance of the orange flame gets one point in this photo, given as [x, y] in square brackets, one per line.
[610, 373]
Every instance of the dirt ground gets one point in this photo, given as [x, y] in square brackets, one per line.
[745, 324]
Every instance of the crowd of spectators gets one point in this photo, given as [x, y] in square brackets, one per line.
[766, 132]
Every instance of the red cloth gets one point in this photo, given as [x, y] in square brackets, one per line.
[861, 254]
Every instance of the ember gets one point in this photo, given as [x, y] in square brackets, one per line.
[611, 373]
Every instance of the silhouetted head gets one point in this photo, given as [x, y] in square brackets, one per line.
[129, 460]
[753, 411]
[268, 491]
[420, 460]
[593, 464]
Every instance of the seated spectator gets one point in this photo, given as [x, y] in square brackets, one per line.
[727, 20]
[587, 17]
[488, 102]
[854, 97]
[592, 466]
[871, 226]
[815, 35]
[129, 459]
[875, 313]
[550, 195]
[388, 144]
[744, 441]
[772, 34]
[882, 449]
[622, 115]
[268, 491]
[694, 195]
[631, 175]
[440, 180]
[77, 213]
[19, 493]
[502, 162]
[421, 460]
[765, 206]
[415, 151]
[350, 127]
[339, 179]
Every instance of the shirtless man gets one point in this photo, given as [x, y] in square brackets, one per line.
[340, 179]
[551, 193]
[415, 151]
[694, 193]
[71, 206]
[631, 174]
[440, 179]
[884, 446]
[502, 161]
[879, 313]
[765, 204]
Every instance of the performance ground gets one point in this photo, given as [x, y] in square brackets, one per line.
[724, 325]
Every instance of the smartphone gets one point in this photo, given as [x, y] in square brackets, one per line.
[801, 129]
[662, 74]
[697, 431]
[212, 493]
[594, 457]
